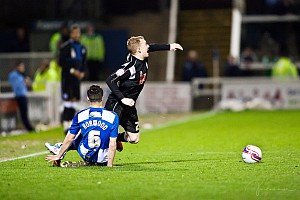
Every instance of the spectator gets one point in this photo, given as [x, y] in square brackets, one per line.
[231, 67]
[58, 38]
[55, 68]
[268, 46]
[94, 44]
[284, 67]
[248, 57]
[55, 43]
[43, 75]
[193, 67]
[21, 41]
[19, 83]
[72, 59]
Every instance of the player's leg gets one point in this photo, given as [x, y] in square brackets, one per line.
[113, 105]
[55, 148]
[71, 95]
[130, 123]
[68, 109]
[68, 114]
[93, 68]
[133, 138]
[130, 137]
[23, 106]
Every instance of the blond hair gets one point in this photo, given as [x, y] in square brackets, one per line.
[133, 43]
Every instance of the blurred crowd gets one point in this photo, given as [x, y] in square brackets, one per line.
[272, 40]
[74, 56]
[49, 69]
[273, 44]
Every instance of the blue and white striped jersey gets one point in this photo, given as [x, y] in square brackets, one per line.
[96, 126]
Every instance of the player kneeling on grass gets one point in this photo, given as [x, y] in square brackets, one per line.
[93, 133]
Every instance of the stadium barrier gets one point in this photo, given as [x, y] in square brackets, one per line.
[45, 107]
[162, 97]
[156, 97]
[259, 92]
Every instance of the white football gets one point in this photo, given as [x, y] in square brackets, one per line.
[251, 154]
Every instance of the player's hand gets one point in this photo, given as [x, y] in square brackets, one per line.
[78, 74]
[52, 158]
[128, 101]
[175, 46]
[28, 81]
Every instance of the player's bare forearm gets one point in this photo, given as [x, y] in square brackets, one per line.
[111, 151]
[66, 143]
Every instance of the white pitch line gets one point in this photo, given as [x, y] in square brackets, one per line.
[26, 156]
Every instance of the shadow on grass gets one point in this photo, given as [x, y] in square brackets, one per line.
[143, 166]
[158, 162]
[150, 165]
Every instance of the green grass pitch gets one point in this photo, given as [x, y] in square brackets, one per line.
[192, 158]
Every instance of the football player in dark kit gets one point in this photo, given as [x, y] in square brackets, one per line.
[127, 83]
[72, 59]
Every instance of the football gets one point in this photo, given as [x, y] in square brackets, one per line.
[251, 154]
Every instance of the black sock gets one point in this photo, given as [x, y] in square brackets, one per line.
[67, 117]
[68, 114]
[121, 137]
[66, 131]
[72, 147]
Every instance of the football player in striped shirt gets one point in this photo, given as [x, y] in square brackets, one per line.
[93, 134]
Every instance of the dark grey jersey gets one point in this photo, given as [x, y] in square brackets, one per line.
[129, 80]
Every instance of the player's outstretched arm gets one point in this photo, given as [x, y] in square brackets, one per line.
[111, 151]
[175, 46]
[164, 47]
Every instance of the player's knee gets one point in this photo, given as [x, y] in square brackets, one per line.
[135, 141]
[134, 138]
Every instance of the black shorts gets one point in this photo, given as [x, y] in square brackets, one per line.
[70, 90]
[128, 117]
